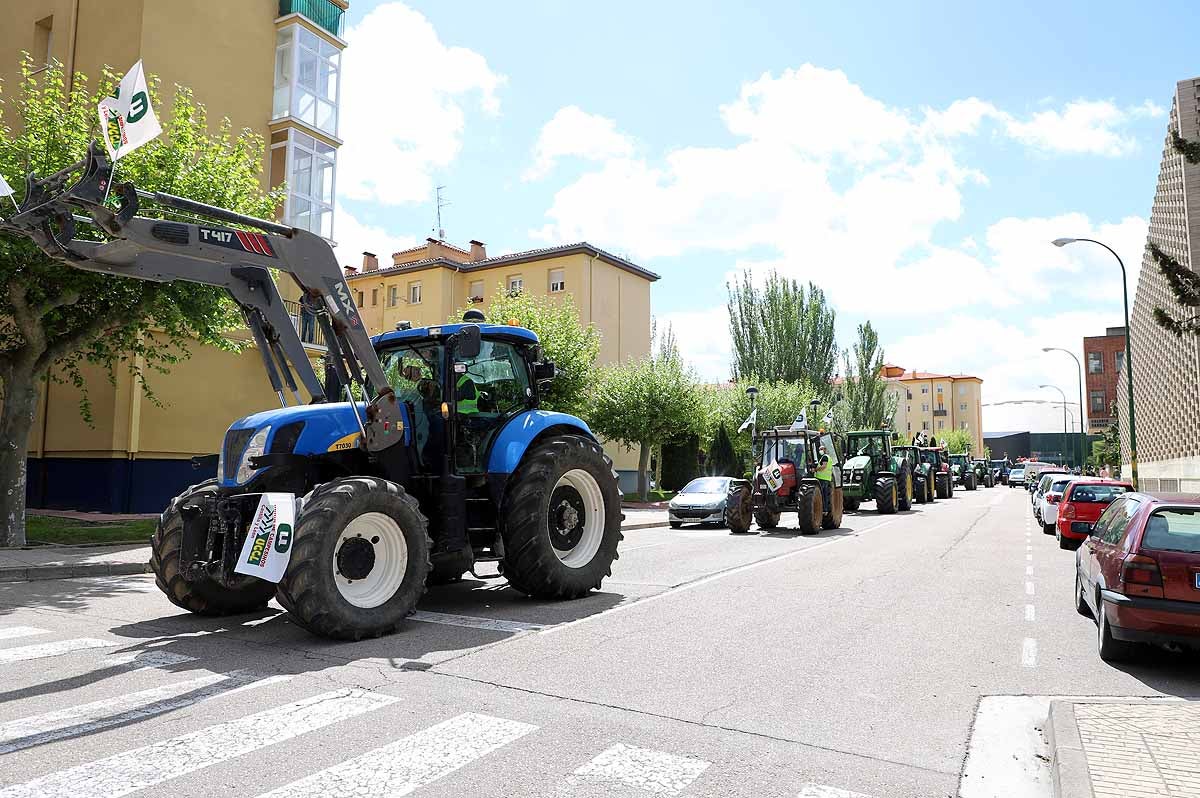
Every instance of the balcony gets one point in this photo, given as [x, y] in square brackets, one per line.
[323, 12]
[306, 325]
[940, 412]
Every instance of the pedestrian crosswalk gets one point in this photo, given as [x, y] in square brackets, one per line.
[153, 706]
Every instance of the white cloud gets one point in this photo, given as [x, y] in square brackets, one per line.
[572, 132]
[1091, 127]
[403, 105]
[355, 238]
[703, 340]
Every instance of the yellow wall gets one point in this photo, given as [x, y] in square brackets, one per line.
[911, 415]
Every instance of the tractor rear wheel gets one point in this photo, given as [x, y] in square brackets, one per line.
[561, 519]
[832, 518]
[205, 596]
[930, 487]
[739, 509]
[905, 490]
[943, 486]
[886, 496]
[920, 493]
[360, 559]
[766, 518]
[809, 509]
[969, 481]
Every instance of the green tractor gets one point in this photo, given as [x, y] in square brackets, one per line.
[922, 471]
[962, 471]
[873, 472]
[938, 463]
[984, 476]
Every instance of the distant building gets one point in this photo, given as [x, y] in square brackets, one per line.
[936, 403]
[1166, 369]
[1104, 358]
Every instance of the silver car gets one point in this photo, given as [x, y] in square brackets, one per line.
[702, 501]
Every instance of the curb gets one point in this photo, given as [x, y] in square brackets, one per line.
[37, 573]
[1068, 762]
[647, 525]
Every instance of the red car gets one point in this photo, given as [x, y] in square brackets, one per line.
[1080, 507]
[1138, 573]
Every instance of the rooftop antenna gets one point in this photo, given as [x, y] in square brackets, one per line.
[441, 203]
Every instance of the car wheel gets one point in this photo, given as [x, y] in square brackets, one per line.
[676, 524]
[1047, 529]
[1081, 605]
[1110, 648]
[1063, 543]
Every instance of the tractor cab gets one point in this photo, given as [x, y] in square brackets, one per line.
[873, 444]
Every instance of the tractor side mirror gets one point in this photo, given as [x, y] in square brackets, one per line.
[468, 342]
[544, 371]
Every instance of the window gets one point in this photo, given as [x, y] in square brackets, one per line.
[360, 299]
[962, 390]
[1119, 360]
[1125, 509]
[374, 296]
[962, 425]
[962, 406]
[498, 382]
[941, 425]
[393, 296]
[516, 283]
[909, 394]
[910, 426]
[924, 389]
[925, 407]
[414, 293]
[1098, 404]
[310, 176]
[1095, 363]
[307, 78]
[475, 292]
[925, 425]
[43, 40]
[1173, 530]
[557, 281]
[939, 389]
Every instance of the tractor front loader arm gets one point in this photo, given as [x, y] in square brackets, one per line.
[236, 260]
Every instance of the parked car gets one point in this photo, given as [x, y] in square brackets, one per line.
[701, 501]
[1082, 503]
[1051, 496]
[1138, 573]
[1040, 486]
[1016, 476]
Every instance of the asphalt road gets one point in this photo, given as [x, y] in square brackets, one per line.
[851, 662]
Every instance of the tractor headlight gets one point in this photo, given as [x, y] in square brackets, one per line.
[255, 448]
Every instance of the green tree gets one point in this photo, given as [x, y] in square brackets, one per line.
[572, 345]
[868, 402]
[958, 441]
[1107, 450]
[722, 460]
[777, 403]
[1183, 282]
[780, 333]
[54, 319]
[644, 403]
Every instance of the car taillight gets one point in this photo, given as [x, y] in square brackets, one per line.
[1141, 576]
[1067, 511]
[1051, 498]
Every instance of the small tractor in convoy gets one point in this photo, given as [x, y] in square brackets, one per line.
[874, 472]
[984, 475]
[938, 461]
[784, 482]
[922, 481]
[963, 471]
[423, 453]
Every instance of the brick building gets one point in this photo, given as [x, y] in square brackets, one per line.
[1104, 358]
[1166, 369]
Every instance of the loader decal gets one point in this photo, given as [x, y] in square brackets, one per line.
[263, 530]
[268, 545]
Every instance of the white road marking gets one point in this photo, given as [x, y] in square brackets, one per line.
[1029, 653]
[410, 762]
[57, 648]
[811, 790]
[1007, 756]
[1029, 570]
[473, 622]
[89, 718]
[1029, 588]
[1030, 613]
[122, 774]
[652, 771]
[704, 581]
[12, 632]
[145, 659]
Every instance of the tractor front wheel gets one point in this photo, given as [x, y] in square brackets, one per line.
[204, 596]
[810, 511]
[850, 504]
[360, 559]
[969, 481]
[832, 519]
[766, 518]
[739, 509]
[905, 488]
[943, 485]
[886, 496]
[561, 520]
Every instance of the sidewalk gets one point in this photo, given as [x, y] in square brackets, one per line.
[65, 562]
[1125, 749]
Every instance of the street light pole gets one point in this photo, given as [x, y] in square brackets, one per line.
[1062, 242]
[1064, 404]
[1082, 432]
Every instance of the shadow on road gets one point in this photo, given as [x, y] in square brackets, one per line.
[68, 594]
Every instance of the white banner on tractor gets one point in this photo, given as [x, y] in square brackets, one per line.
[268, 546]
[5, 188]
[773, 475]
[130, 109]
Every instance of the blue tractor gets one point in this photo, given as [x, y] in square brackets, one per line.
[421, 453]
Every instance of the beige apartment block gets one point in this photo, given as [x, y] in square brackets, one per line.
[936, 403]
[1166, 369]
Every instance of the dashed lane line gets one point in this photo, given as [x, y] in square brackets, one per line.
[1029, 588]
[1030, 613]
[1029, 653]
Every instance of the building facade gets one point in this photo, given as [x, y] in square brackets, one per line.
[430, 283]
[1103, 360]
[936, 403]
[272, 66]
[1166, 368]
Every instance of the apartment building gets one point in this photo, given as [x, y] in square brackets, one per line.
[936, 403]
[1104, 359]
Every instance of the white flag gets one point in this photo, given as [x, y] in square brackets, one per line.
[5, 189]
[750, 419]
[130, 109]
[268, 546]
[828, 418]
[801, 421]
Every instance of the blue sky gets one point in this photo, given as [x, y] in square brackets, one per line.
[913, 160]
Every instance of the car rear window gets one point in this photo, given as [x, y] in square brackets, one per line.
[1173, 530]
[1095, 494]
[1059, 485]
